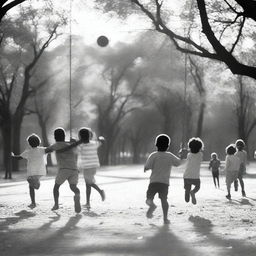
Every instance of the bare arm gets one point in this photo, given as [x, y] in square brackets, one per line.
[72, 145]
[18, 157]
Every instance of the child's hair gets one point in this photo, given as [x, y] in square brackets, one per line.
[33, 140]
[214, 154]
[59, 134]
[85, 134]
[162, 142]
[231, 149]
[195, 145]
[240, 143]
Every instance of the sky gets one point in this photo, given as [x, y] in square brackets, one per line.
[91, 23]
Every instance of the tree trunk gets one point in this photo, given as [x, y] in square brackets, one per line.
[16, 130]
[6, 134]
[136, 154]
[200, 120]
[45, 140]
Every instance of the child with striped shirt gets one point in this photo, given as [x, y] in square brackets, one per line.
[88, 162]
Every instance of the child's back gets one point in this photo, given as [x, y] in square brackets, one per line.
[35, 161]
[88, 155]
[192, 169]
[65, 159]
[161, 163]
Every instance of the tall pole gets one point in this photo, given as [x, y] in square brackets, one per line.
[184, 104]
[70, 67]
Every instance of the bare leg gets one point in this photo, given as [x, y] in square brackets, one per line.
[187, 192]
[32, 197]
[193, 192]
[240, 178]
[228, 196]
[165, 207]
[88, 194]
[214, 181]
[218, 181]
[76, 190]
[101, 191]
[56, 197]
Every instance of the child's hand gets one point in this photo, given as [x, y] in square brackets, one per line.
[12, 154]
[72, 140]
[183, 153]
[101, 138]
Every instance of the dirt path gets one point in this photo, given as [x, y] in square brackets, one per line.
[118, 226]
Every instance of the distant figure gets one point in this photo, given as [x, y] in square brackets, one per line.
[35, 157]
[88, 162]
[66, 157]
[232, 165]
[214, 166]
[192, 171]
[160, 162]
[242, 155]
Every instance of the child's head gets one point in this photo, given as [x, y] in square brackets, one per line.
[240, 144]
[195, 145]
[231, 149]
[214, 156]
[162, 142]
[33, 140]
[59, 134]
[85, 134]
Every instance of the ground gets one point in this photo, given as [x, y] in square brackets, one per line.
[118, 226]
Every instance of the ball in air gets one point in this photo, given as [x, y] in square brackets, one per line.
[102, 41]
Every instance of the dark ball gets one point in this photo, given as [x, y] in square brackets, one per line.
[102, 41]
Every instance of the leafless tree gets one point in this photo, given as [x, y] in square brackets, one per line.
[245, 110]
[114, 106]
[17, 83]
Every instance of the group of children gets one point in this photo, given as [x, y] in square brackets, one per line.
[82, 155]
[235, 166]
[70, 156]
[161, 161]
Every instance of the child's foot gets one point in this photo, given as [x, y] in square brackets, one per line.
[88, 206]
[55, 207]
[243, 193]
[228, 197]
[77, 203]
[32, 205]
[193, 197]
[166, 221]
[103, 195]
[150, 211]
[187, 196]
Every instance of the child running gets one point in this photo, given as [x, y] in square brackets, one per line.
[35, 157]
[242, 155]
[214, 166]
[192, 171]
[160, 162]
[88, 162]
[67, 167]
[232, 165]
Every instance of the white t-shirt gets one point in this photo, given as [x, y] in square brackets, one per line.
[242, 155]
[35, 161]
[161, 163]
[88, 155]
[232, 163]
[193, 163]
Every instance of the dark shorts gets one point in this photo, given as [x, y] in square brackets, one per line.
[215, 173]
[189, 182]
[34, 181]
[157, 187]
